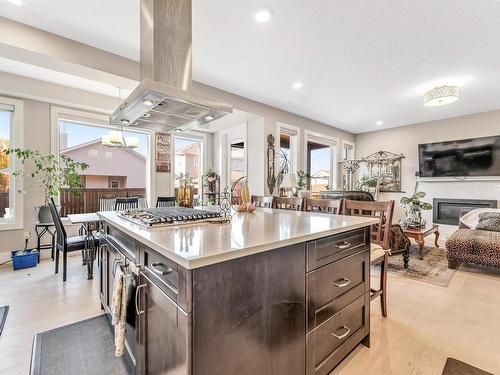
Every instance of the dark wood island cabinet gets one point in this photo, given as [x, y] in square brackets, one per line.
[298, 308]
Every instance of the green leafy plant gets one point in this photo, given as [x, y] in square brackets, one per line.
[415, 201]
[367, 182]
[49, 172]
[301, 182]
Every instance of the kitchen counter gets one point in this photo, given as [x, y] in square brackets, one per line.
[201, 244]
[273, 292]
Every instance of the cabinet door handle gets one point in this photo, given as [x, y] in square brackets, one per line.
[139, 312]
[343, 245]
[340, 337]
[343, 283]
[163, 272]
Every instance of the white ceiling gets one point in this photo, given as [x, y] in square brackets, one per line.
[360, 62]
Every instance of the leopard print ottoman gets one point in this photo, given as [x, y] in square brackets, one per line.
[473, 246]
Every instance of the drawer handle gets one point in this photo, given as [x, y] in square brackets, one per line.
[139, 312]
[158, 271]
[343, 283]
[343, 245]
[340, 337]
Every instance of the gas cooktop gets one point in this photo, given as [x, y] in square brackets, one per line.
[165, 216]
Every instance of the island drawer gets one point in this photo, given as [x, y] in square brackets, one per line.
[329, 343]
[332, 287]
[126, 244]
[171, 278]
[329, 249]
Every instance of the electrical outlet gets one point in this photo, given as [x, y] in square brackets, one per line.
[26, 235]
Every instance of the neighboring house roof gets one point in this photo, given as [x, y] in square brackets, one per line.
[323, 173]
[97, 142]
[191, 149]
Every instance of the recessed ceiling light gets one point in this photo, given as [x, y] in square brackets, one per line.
[297, 85]
[440, 96]
[263, 15]
[16, 2]
[178, 130]
[378, 123]
[209, 118]
[147, 102]
[124, 121]
[146, 115]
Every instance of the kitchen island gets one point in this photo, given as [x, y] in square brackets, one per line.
[272, 292]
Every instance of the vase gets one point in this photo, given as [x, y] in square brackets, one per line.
[44, 215]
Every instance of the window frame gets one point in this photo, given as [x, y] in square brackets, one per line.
[294, 133]
[100, 120]
[329, 141]
[202, 157]
[16, 200]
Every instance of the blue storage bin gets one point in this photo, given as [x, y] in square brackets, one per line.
[24, 261]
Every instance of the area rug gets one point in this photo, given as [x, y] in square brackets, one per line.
[4, 310]
[433, 269]
[85, 347]
[455, 367]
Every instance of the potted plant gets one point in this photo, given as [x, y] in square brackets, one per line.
[415, 205]
[367, 184]
[301, 182]
[50, 173]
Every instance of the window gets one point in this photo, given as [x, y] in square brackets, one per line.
[347, 154]
[112, 171]
[10, 136]
[237, 160]
[289, 144]
[188, 151]
[321, 168]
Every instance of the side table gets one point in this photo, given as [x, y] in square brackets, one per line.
[40, 230]
[419, 235]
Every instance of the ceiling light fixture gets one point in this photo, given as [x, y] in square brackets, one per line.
[440, 96]
[16, 2]
[263, 15]
[378, 123]
[148, 102]
[117, 139]
[297, 85]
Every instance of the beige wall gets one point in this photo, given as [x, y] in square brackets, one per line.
[406, 139]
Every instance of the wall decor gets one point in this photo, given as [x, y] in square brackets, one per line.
[385, 166]
[163, 155]
[271, 178]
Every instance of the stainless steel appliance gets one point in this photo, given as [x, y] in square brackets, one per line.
[165, 216]
[164, 101]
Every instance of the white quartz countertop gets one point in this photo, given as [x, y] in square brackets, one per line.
[201, 244]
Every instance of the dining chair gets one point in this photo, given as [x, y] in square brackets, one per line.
[125, 203]
[262, 201]
[380, 239]
[165, 201]
[292, 204]
[332, 206]
[64, 243]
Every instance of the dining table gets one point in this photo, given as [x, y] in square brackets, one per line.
[90, 223]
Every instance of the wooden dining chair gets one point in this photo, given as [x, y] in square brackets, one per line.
[332, 206]
[64, 243]
[165, 201]
[262, 201]
[380, 239]
[125, 203]
[292, 204]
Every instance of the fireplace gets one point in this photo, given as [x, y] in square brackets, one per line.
[447, 211]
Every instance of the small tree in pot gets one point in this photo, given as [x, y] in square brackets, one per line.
[50, 173]
[415, 205]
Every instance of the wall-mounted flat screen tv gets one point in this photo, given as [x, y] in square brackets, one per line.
[465, 157]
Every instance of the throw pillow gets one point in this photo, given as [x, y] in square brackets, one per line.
[489, 221]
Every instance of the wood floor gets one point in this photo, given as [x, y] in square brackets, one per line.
[426, 323]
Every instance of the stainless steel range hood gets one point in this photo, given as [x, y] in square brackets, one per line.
[163, 101]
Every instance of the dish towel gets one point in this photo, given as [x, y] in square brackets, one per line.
[121, 288]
